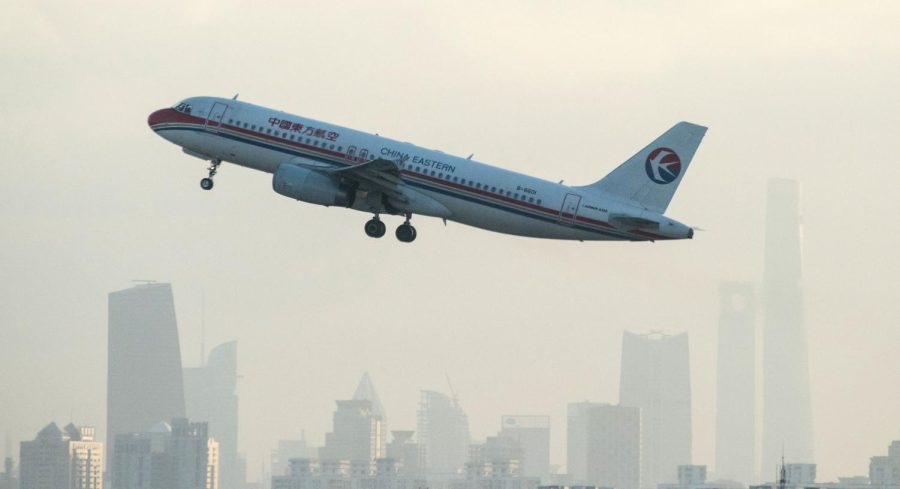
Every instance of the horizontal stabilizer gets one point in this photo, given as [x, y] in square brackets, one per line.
[631, 223]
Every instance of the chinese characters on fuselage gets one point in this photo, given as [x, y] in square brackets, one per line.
[300, 128]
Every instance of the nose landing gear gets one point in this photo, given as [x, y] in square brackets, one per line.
[207, 183]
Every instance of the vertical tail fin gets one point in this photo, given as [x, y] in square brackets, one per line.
[650, 178]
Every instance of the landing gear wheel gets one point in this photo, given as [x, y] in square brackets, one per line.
[207, 183]
[406, 233]
[375, 228]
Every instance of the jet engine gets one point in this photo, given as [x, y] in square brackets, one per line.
[311, 186]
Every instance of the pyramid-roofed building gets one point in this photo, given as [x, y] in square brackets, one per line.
[365, 391]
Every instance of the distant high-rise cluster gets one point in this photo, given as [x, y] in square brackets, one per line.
[656, 378]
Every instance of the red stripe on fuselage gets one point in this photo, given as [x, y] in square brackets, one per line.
[172, 116]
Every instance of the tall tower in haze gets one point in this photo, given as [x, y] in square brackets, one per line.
[443, 434]
[656, 378]
[787, 411]
[735, 383]
[144, 384]
[209, 393]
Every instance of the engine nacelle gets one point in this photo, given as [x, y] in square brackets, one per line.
[311, 186]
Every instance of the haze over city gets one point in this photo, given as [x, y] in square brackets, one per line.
[94, 200]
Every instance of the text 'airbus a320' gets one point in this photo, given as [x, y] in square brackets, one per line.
[329, 165]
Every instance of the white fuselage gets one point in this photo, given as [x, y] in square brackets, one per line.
[474, 193]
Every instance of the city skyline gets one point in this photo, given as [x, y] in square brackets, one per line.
[92, 200]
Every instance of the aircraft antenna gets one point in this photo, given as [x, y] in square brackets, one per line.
[235, 96]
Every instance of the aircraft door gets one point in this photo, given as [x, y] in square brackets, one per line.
[216, 114]
[569, 209]
[351, 153]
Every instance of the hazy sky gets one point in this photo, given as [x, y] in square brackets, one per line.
[92, 199]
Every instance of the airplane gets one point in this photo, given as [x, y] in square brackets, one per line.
[330, 165]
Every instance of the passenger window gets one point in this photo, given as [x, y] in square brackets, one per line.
[494, 189]
[340, 148]
[268, 131]
[477, 185]
[253, 127]
[539, 201]
[432, 172]
[440, 175]
[418, 169]
[531, 199]
[230, 121]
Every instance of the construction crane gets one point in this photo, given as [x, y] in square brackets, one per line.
[452, 391]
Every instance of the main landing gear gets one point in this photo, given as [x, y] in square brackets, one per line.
[375, 228]
[406, 233]
[207, 183]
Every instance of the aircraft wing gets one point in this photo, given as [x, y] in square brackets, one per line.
[380, 175]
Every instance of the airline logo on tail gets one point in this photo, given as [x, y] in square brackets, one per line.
[663, 165]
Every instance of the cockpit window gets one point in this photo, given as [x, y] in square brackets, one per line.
[183, 107]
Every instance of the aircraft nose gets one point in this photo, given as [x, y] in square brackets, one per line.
[156, 117]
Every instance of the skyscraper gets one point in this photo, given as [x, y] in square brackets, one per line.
[787, 415]
[735, 383]
[209, 394]
[365, 391]
[604, 445]
[443, 434]
[533, 435]
[62, 459]
[656, 378]
[356, 435]
[144, 384]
